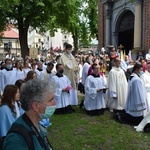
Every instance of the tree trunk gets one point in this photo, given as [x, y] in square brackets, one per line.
[75, 41]
[23, 35]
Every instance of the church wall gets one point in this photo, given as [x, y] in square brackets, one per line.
[101, 25]
[146, 29]
[118, 8]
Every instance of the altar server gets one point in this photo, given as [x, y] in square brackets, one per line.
[62, 94]
[95, 89]
[8, 75]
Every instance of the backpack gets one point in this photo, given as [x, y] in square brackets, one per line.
[20, 129]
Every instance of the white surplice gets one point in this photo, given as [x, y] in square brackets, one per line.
[39, 74]
[71, 70]
[85, 69]
[7, 77]
[19, 74]
[62, 98]
[136, 99]
[47, 76]
[26, 70]
[93, 99]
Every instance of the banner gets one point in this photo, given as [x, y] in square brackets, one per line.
[33, 52]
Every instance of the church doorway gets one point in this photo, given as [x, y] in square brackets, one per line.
[126, 31]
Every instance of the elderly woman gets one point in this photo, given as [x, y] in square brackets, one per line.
[37, 98]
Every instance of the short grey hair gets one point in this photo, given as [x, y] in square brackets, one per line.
[35, 90]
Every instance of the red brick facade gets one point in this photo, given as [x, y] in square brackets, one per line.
[101, 25]
[146, 25]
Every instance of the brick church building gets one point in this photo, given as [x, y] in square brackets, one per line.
[124, 23]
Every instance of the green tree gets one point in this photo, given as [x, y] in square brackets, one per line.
[50, 14]
[91, 12]
[22, 14]
[66, 15]
[79, 17]
[84, 35]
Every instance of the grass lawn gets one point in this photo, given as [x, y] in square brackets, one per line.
[78, 131]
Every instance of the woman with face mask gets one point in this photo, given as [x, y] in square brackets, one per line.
[9, 110]
[37, 99]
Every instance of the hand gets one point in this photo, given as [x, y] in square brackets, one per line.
[67, 90]
[98, 90]
[64, 90]
[104, 90]
[115, 97]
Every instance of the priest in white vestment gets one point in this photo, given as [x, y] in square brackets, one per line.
[71, 70]
[117, 87]
[8, 75]
[62, 94]
[95, 89]
[136, 100]
[145, 78]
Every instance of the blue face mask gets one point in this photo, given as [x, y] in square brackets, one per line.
[45, 122]
[140, 73]
[43, 130]
[48, 112]
[90, 61]
[9, 66]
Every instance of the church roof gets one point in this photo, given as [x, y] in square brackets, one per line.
[10, 34]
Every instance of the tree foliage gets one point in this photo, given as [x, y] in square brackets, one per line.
[132, 1]
[66, 16]
[79, 17]
[91, 12]
[22, 14]
[50, 15]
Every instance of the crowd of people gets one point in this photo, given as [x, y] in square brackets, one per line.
[33, 89]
